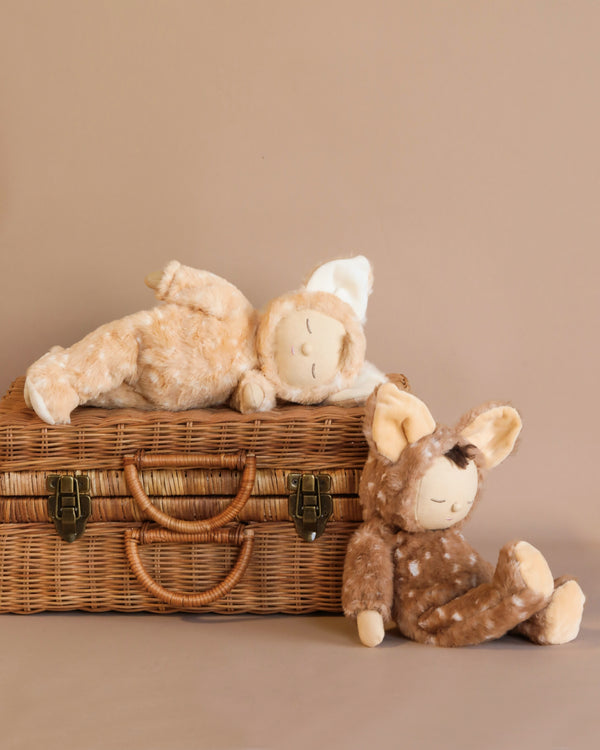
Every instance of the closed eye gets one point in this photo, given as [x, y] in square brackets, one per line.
[308, 325]
[433, 500]
[314, 373]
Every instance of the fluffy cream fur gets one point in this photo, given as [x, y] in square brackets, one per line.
[204, 345]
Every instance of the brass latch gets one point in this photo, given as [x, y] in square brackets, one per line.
[310, 503]
[70, 504]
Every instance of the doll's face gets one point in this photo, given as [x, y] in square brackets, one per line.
[446, 494]
[308, 345]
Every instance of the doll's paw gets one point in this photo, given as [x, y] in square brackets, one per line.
[371, 630]
[562, 617]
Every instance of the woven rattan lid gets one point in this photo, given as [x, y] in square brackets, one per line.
[286, 437]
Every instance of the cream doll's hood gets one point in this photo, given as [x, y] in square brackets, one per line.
[339, 289]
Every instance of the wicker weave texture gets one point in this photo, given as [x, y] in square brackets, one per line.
[288, 437]
[40, 572]
[123, 509]
[172, 482]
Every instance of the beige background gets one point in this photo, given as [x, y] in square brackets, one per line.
[456, 144]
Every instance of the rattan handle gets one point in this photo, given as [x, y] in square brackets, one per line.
[239, 536]
[133, 462]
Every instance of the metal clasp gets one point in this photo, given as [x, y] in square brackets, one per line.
[70, 504]
[310, 504]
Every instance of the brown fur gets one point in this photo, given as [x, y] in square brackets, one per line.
[432, 583]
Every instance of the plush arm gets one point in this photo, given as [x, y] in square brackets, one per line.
[369, 571]
[253, 393]
[200, 290]
[359, 391]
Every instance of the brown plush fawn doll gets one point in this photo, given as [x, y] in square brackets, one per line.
[409, 561]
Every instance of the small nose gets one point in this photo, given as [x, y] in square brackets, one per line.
[306, 349]
[456, 507]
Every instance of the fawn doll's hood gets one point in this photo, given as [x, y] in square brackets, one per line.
[393, 475]
[390, 490]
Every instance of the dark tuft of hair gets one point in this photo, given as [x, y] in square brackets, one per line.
[461, 455]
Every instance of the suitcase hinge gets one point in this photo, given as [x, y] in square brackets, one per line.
[70, 504]
[310, 503]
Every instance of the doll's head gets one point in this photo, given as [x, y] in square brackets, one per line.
[421, 476]
[311, 343]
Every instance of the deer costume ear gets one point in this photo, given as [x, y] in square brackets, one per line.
[399, 419]
[494, 432]
[350, 279]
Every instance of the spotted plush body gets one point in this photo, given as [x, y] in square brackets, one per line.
[409, 562]
[205, 345]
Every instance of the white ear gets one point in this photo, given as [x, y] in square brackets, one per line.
[399, 419]
[494, 432]
[350, 279]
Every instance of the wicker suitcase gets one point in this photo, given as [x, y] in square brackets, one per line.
[187, 511]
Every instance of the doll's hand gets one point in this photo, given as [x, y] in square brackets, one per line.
[370, 627]
[153, 279]
[254, 393]
[251, 398]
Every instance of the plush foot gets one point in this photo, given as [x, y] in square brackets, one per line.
[533, 569]
[56, 410]
[562, 617]
[37, 403]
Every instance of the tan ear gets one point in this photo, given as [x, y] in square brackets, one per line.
[399, 419]
[494, 432]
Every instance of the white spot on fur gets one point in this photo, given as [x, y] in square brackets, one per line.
[457, 617]
[472, 559]
[381, 496]
[428, 555]
[370, 485]
[446, 556]
[414, 568]
[399, 554]
[517, 601]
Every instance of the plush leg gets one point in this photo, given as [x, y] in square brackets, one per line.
[521, 586]
[64, 378]
[121, 397]
[559, 621]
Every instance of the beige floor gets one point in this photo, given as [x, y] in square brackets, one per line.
[106, 681]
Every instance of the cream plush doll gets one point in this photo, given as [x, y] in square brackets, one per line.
[409, 561]
[205, 345]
